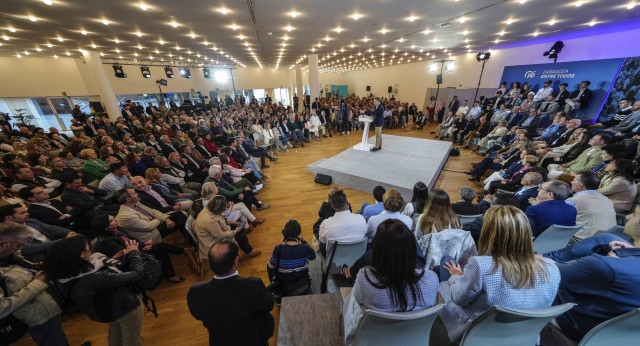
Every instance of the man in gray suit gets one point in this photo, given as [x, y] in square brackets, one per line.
[547, 108]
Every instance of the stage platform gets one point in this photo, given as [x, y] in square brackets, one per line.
[400, 164]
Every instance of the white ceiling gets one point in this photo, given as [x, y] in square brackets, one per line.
[203, 34]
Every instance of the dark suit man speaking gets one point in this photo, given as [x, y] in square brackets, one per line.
[378, 122]
[235, 310]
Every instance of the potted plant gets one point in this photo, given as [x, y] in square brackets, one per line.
[22, 117]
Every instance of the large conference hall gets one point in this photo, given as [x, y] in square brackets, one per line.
[320, 172]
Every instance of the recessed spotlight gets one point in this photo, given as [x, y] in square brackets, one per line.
[33, 19]
[174, 24]
[223, 10]
[401, 40]
[293, 14]
[18, 56]
[463, 19]
[105, 21]
[501, 33]
[465, 33]
[60, 39]
[48, 2]
[366, 39]
[116, 41]
[522, 2]
[5, 37]
[93, 46]
[139, 47]
[161, 42]
[288, 28]
[592, 23]
[143, 6]
[412, 18]
[84, 32]
[234, 27]
[631, 5]
[578, 3]
[68, 54]
[384, 31]
[426, 32]
[552, 22]
[509, 21]
[139, 34]
[38, 50]
[535, 33]
[55, 57]
[157, 52]
[12, 29]
[356, 16]
[192, 35]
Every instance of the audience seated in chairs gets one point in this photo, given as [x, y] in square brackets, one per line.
[618, 185]
[465, 206]
[594, 210]
[549, 207]
[368, 210]
[288, 266]
[343, 226]
[419, 198]
[393, 205]
[504, 273]
[602, 275]
[392, 282]
[438, 231]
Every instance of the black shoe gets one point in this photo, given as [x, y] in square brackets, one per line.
[265, 166]
[274, 159]
[432, 132]
[375, 149]
[465, 147]
[324, 136]
[472, 178]
[330, 135]
[469, 173]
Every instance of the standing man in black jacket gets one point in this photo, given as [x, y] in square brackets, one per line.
[378, 122]
[235, 310]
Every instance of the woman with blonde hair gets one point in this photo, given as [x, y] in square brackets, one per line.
[505, 273]
[439, 232]
[211, 225]
[153, 176]
[563, 149]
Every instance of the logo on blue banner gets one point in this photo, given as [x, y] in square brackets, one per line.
[600, 73]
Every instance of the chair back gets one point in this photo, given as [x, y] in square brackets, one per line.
[513, 327]
[617, 230]
[555, 237]
[396, 328]
[344, 253]
[618, 331]
[465, 219]
[257, 136]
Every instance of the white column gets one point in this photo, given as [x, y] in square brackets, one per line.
[299, 87]
[313, 77]
[107, 96]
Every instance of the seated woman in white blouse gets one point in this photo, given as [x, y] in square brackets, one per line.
[505, 273]
[271, 136]
[392, 282]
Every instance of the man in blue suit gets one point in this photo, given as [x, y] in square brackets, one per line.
[378, 122]
[549, 208]
[529, 189]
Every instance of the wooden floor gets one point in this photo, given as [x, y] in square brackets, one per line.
[293, 195]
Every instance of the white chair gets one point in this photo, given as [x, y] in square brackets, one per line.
[265, 145]
[338, 254]
[618, 331]
[555, 237]
[513, 327]
[396, 328]
[465, 219]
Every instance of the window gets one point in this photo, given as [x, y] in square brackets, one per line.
[281, 95]
[259, 95]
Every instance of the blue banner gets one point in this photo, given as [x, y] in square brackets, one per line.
[601, 74]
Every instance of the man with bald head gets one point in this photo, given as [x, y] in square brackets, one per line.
[235, 310]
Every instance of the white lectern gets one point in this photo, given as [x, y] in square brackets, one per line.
[364, 145]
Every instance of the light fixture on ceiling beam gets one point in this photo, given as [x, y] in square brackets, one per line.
[145, 71]
[118, 71]
[168, 71]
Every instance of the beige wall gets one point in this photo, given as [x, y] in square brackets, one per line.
[29, 77]
[413, 79]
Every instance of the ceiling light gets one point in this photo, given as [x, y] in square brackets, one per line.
[38, 50]
[48, 2]
[12, 29]
[293, 14]
[496, 41]
[223, 10]
[118, 71]
[184, 72]
[426, 32]
[522, 1]
[55, 57]
[412, 18]
[157, 52]
[242, 37]
[433, 67]
[384, 31]
[139, 34]
[356, 16]
[84, 32]
[139, 47]
[288, 28]
[105, 21]
[143, 7]
[18, 56]
[68, 54]
[501, 33]
[161, 42]
[631, 5]
[93, 46]
[117, 50]
[5, 37]
[34, 19]
[168, 70]
[401, 40]
[60, 39]
[509, 21]
[592, 23]
[205, 43]
[366, 39]
[463, 19]
[116, 41]
[145, 71]
[578, 3]
[234, 27]
[174, 24]
[535, 33]
[327, 38]
[551, 22]
[465, 33]
[338, 29]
